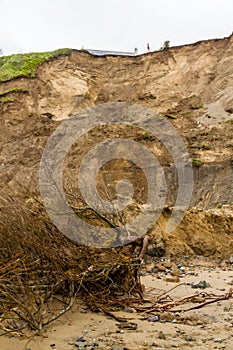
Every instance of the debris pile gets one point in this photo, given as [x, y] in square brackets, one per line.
[42, 271]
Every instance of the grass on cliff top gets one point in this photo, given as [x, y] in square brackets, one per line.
[24, 65]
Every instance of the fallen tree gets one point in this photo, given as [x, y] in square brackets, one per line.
[42, 271]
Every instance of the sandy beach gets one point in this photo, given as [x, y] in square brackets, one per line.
[209, 327]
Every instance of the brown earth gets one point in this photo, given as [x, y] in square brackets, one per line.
[190, 85]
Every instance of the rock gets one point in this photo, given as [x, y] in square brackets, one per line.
[161, 268]
[153, 318]
[129, 309]
[166, 317]
[53, 345]
[150, 268]
[80, 340]
[168, 264]
[175, 271]
[83, 311]
[189, 338]
[95, 344]
[230, 282]
[173, 279]
[117, 347]
[155, 346]
[80, 346]
[198, 299]
[162, 335]
[128, 325]
[218, 340]
[192, 273]
[200, 284]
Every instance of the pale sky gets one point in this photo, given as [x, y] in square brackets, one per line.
[121, 25]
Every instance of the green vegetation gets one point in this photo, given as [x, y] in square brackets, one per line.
[6, 99]
[196, 162]
[152, 97]
[205, 147]
[171, 116]
[202, 147]
[4, 93]
[197, 107]
[219, 206]
[147, 136]
[24, 65]
[165, 46]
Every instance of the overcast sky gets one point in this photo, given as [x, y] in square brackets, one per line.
[122, 25]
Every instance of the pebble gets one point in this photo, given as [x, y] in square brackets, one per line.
[80, 346]
[95, 344]
[153, 318]
[189, 338]
[161, 268]
[198, 299]
[175, 271]
[128, 325]
[81, 340]
[129, 309]
[162, 335]
[218, 340]
[173, 279]
[168, 264]
[117, 347]
[83, 311]
[191, 273]
[200, 284]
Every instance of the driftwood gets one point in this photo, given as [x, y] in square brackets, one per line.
[162, 305]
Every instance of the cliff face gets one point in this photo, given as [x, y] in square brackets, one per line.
[78, 79]
[191, 85]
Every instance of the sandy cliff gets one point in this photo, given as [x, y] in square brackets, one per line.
[192, 86]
